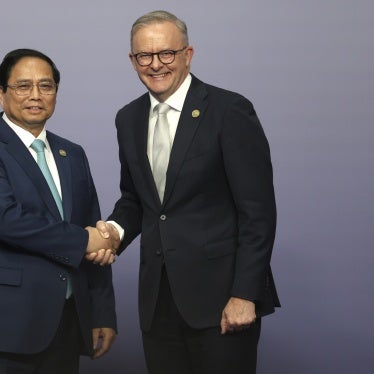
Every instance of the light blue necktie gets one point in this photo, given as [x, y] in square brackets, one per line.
[38, 146]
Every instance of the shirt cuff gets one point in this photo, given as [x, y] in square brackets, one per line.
[120, 230]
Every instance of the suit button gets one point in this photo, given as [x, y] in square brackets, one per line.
[158, 253]
[163, 217]
[63, 277]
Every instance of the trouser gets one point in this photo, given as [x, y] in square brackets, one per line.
[60, 357]
[171, 346]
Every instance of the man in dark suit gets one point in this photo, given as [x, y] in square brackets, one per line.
[54, 304]
[196, 182]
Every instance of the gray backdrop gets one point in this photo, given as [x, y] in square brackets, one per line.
[308, 68]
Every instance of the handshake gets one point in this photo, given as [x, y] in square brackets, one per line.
[103, 242]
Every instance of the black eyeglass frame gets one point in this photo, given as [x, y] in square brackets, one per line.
[152, 54]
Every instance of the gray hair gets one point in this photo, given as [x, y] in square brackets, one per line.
[159, 16]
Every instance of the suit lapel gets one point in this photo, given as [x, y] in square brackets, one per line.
[22, 155]
[62, 159]
[141, 136]
[193, 110]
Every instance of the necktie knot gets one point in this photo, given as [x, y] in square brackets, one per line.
[38, 145]
[162, 108]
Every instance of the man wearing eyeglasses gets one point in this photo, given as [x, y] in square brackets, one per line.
[196, 183]
[54, 304]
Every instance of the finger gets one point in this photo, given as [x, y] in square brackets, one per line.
[90, 256]
[228, 326]
[108, 336]
[114, 232]
[108, 258]
[224, 324]
[95, 338]
[103, 229]
[98, 352]
[103, 349]
[99, 256]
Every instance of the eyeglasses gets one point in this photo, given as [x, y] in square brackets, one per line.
[166, 57]
[24, 89]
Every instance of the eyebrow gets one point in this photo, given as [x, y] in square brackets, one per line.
[31, 81]
[154, 53]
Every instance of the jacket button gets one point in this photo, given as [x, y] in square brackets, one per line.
[163, 217]
[158, 253]
[63, 277]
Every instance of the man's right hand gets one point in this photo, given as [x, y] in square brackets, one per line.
[103, 243]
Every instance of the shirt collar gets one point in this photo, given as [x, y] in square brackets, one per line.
[176, 100]
[26, 137]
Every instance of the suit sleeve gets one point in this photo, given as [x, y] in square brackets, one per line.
[127, 211]
[249, 171]
[27, 229]
[99, 277]
[102, 296]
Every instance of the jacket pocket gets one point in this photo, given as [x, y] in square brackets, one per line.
[222, 248]
[197, 153]
[10, 277]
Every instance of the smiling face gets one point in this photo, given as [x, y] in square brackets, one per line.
[162, 80]
[33, 110]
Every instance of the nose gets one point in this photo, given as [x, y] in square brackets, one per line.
[35, 93]
[156, 63]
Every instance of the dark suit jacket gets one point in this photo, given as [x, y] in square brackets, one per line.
[215, 229]
[38, 249]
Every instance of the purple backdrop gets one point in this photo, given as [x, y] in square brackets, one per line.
[307, 67]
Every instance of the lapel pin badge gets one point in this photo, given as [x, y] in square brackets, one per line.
[195, 113]
[62, 152]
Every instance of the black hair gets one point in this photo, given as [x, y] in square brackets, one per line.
[13, 57]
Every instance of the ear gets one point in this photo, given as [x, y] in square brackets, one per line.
[133, 61]
[189, 54]
[2, 93]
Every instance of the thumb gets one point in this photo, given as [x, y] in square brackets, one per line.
[223, 324]
[103, 229]
[95, 338]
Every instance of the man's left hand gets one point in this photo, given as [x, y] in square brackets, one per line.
[237, 315]
[103, 338]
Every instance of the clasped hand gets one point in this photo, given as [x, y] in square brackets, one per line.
[238, 314]
[103, 242]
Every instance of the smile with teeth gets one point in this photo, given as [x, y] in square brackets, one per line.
[159, 75]
[34, 109]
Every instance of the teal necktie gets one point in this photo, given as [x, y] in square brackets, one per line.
[38, 146]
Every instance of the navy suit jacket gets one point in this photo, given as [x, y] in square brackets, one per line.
[38, 249]
[215, 229]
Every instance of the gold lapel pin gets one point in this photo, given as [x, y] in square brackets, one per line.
[62, 152]
[195, 113]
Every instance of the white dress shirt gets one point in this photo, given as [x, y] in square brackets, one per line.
[175, 101]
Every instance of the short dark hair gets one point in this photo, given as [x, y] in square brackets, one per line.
[13, 57]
